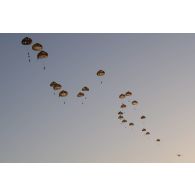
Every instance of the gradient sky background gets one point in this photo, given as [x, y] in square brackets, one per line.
[35, 125]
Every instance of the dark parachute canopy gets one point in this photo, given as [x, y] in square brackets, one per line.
[158, 140]
[120, 117]
[121, 96]
[26, 41]
[100, 73]
[80, 94]
[120, 113]
[143, 117]
[147, 133]
[85, 88]
[124, 121]
[37, 47]
[63, 93]
[143, 129]
[134, 102]
[52, 84]
[123, 106]
[131, 124]
[57, 86]
[42, 55]
[128, 93]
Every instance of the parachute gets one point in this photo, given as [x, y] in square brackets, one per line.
[120, 117]
[120, 113]
[143, 117]
[26, 41]
[124, 121]
[63, 93]
[128, 93]
[131, 124]
[123, 106]
[147, 133]
[158, 140]
[57, 86]
[85, 89]
[52, 83]
[134, 102]
[143, 129]
[42, 55]
[37, 47]
[80, 94]
[121, 96]
[100, 73]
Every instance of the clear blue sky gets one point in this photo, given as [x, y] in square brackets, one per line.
[35, 125]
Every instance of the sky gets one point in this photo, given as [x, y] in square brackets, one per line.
[36, 125]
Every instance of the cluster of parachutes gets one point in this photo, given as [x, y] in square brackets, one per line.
[57, 87]
[134, 103]
[35, 47]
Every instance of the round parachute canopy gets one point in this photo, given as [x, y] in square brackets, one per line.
[57, 87]
[134, 102]
[85, 89]
[63, 93]
[120, 117]
[158, 140]
[80, 94]
[124, 121]
[143, 117]
[37, 47]
[26, 41]
[128, 93]
[121, 96]
[123, 106]
[120, 113]
[131, 124]
[100, 73]
[179, 155]
[52, 83]
[147, 133]
[143, 130]
[42, 55]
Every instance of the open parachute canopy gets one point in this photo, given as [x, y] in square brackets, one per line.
[123, 106]
[57, 86]
[26, 41]
[100, 73]
[143, 117]
[80, 94]
[147, 133]
[120, 117]
[158, 140]
[131, 124]
[128, 93]
[37, 47]
[124, 121]
[143, 129]
[134, 102]
[120, 113]
[52, 83]
[121, 96]
[85, 88]
[63, 93]
[42, 55]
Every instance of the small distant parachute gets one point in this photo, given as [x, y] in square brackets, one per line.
[124, 121]
[37, 47]
[158, 140]
[80, 94]
[57, 86]
[143, 129]
[42, 55]
[131, 124]
[120, 113]
[100, 73]
[52, 83]
[121, 96]
[123, 106]
[147, 133]
[134, 102]
[143, 117]
[128, 93]
[63, 93]
[26, 41]
[85, 88]
[120, 117]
